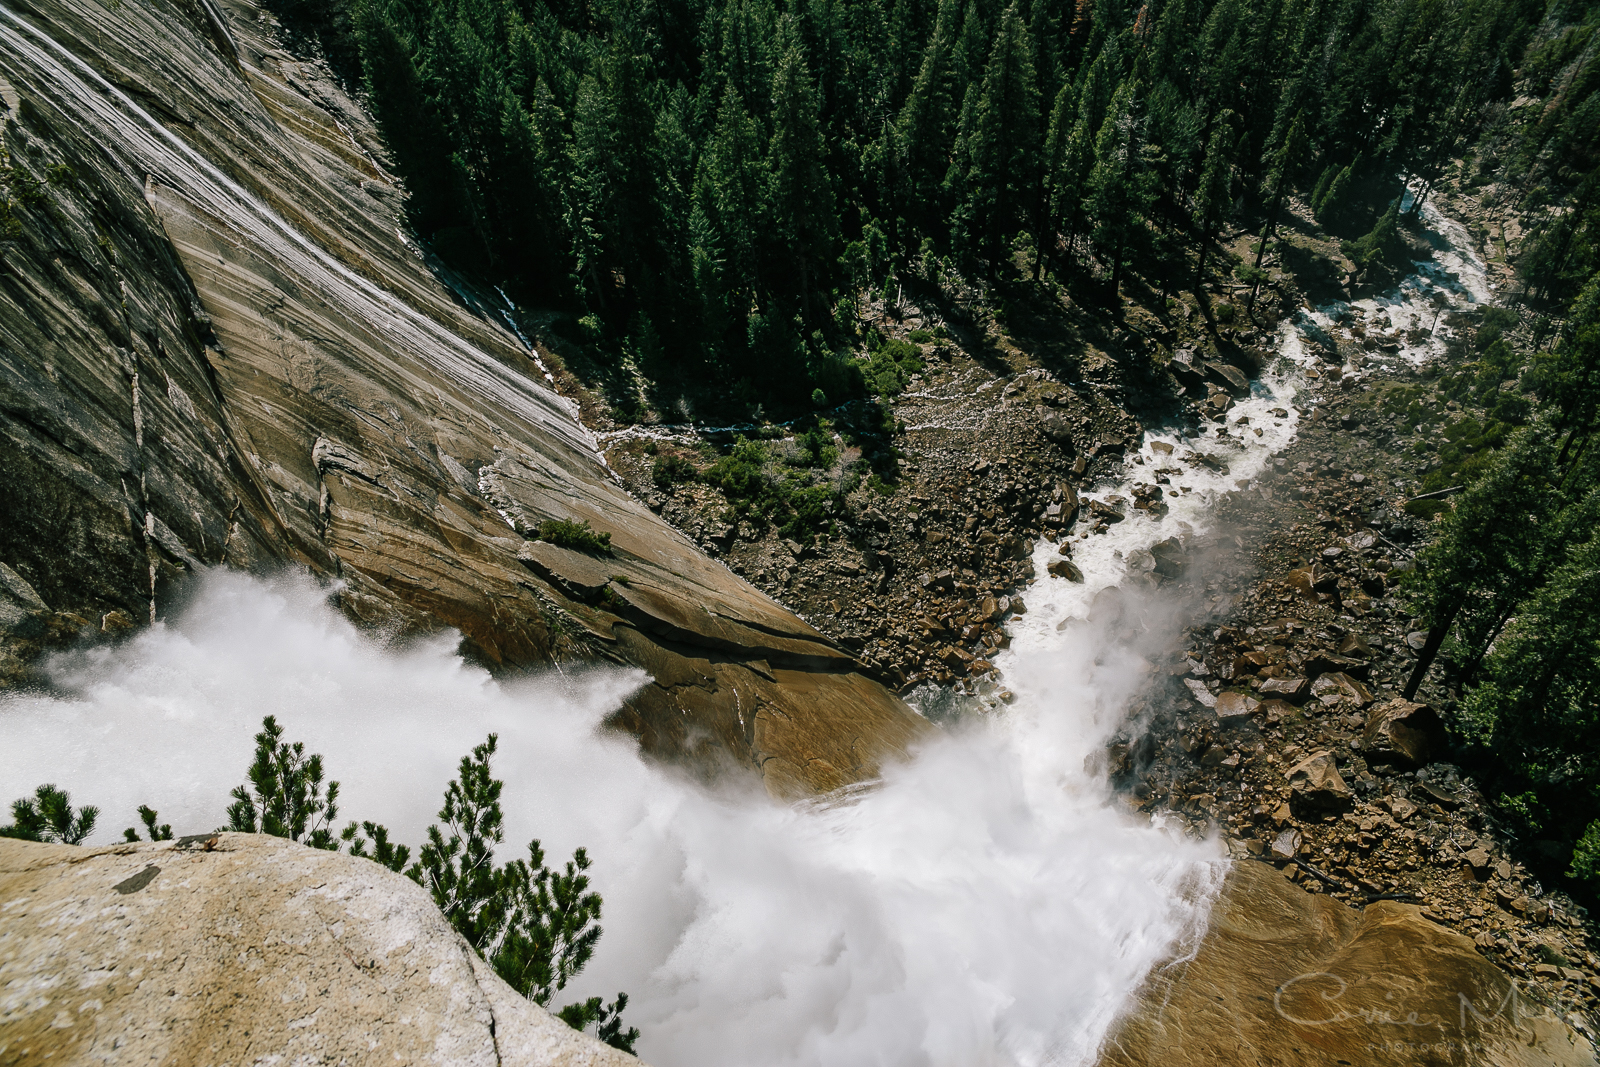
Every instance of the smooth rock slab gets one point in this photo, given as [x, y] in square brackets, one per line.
[257, 951]
[1287, 978]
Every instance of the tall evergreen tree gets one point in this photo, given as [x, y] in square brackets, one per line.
[1003, 188]
[1119, 186]
[804, 225]
[1214, 196]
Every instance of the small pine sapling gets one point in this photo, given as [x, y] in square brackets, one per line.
[391, 855]
[553, 928]
[157, 833]
[608, 1019]
[48, 816]
[535, 927]
[459, 870]
[284, 797]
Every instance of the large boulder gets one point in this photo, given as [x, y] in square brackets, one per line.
[1340, 688]
[1315, 786]
[249, 949]
[1287, 978]
[1064, 568]
[1294, 690]
[1056, 427]
[1402, 732]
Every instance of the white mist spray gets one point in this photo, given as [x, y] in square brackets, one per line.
[987, 903]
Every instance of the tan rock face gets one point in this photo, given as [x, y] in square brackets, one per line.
[217, 348]
[1294, 979]
[257, 950]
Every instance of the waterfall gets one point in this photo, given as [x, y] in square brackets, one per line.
[988, 902]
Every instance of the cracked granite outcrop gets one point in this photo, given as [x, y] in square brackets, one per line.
[218, 348]
[249, 949]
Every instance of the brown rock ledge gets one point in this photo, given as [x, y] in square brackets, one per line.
[1296, 979]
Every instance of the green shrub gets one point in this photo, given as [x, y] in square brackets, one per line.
[1586, 855]
[1223, 312]
[668, 470]
[757, 488]
[1250, 274]
[816, 449]
[892, 366]
[575, 535]
[920, 337]
[1427, 509]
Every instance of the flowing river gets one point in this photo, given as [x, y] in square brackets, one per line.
[989, 902]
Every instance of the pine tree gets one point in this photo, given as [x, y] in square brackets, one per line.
[410, 123]
[535, 927]
[1332, 205]
[1569, 378]
[1214, 197]
[1537, 709]
[731, 190]
[1285, 161]
[1119, 186]
[1494, 549]
[284, 796]
[926, 125]
[458, 869]
[1003, 178]
[803, 222]
[148, 816]
[48, 816]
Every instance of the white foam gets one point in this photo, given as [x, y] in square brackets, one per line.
[984, 903]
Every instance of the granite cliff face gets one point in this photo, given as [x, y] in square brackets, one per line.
[219, 348]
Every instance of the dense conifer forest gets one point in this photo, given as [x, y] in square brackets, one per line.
[707, 186]
[708, 191]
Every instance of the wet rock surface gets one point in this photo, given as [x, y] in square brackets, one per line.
[1288, 978]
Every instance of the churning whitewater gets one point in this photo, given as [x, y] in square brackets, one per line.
[989, 902]
[985, 903]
